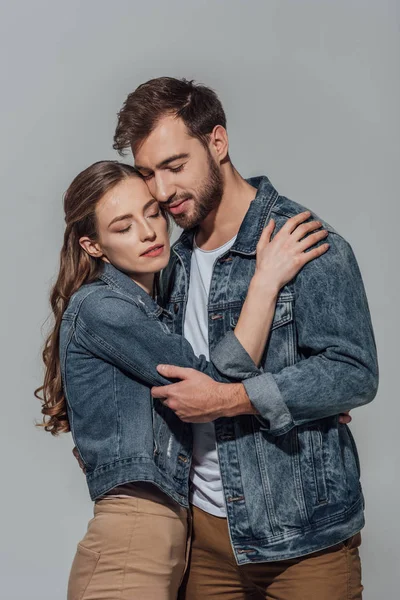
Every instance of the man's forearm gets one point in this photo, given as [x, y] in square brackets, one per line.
[233, 400]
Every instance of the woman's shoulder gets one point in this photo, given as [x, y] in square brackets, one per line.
[97, 301]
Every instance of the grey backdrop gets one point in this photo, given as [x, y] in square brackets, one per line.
[312, 94]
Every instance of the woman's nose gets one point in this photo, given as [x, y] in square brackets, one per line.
[147, 232]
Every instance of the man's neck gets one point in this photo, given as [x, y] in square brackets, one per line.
[222, 224]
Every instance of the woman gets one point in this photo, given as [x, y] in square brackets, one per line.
[101, 358]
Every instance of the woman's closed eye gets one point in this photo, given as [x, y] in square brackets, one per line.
[125, 230]
[155, 214]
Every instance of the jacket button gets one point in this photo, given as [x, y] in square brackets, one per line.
[176, 308]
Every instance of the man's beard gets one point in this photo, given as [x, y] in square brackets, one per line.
[208, 198]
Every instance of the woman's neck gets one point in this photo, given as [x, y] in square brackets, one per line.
[145, 281]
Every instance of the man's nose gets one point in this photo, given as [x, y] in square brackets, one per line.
[164, 189]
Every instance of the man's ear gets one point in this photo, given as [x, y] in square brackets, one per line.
[92, 248]
[219, 143]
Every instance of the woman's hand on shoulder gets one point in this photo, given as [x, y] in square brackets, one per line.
[280, 259]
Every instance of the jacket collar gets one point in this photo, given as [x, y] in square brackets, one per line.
[253, 224]
[120, 282]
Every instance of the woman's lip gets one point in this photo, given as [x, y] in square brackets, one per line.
[178, 208]
[155, 251]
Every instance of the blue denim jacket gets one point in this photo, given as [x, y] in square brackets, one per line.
[113, 335]
[290, 475]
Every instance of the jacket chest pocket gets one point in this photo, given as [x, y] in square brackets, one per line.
[280, 350]
[283, 313]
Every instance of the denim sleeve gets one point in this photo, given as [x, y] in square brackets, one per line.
[338, 370]
[113, 328]
[232, 360]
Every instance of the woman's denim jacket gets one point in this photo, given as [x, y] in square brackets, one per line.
[290, 475]
[113, 336]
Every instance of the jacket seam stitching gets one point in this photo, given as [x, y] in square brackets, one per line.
[100, 342]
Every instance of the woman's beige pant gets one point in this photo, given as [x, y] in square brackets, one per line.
[134, 549]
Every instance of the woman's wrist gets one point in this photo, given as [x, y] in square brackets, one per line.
[264, 285]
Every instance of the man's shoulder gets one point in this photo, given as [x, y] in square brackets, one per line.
[340, 251]
[284, 209]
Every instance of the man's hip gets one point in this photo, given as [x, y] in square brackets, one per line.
[330, 574]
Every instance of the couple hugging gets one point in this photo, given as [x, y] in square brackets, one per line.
[206, 386]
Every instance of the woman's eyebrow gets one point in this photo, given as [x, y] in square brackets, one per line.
[120, 218]
[149, 203]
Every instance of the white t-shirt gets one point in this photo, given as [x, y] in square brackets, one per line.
[206, 484]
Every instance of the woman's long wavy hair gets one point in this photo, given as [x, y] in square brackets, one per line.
[76, 269]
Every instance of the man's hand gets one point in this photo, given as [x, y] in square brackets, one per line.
[78, 458]
[199, 399]
[345, 418]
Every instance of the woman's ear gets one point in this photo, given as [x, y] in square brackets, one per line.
[92, 248]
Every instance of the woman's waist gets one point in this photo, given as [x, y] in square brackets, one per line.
[125, 472]
[139, 496]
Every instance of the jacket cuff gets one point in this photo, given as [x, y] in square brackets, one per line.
[232, 360]
[265, 396]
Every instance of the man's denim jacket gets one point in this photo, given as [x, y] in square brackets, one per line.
[113, 335]
[291, 474]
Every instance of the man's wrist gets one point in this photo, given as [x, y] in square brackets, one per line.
[234, 401]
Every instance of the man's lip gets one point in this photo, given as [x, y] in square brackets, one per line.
[175, 204]
[172, 207]
[152, 248]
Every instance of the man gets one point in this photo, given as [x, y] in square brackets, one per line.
[277, 504]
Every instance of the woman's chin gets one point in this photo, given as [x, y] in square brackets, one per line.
[155, 265]
[161, 262]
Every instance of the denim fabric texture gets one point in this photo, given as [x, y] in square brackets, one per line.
[113, 336]
[291, 476]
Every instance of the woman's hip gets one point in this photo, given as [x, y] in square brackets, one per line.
[135, 547]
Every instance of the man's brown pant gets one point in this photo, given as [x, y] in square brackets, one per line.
[332, 574]
[134, 549]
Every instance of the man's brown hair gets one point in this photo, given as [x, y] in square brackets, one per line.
[197, 105]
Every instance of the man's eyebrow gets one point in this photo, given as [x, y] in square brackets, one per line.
[120, 218]
[164, 162]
